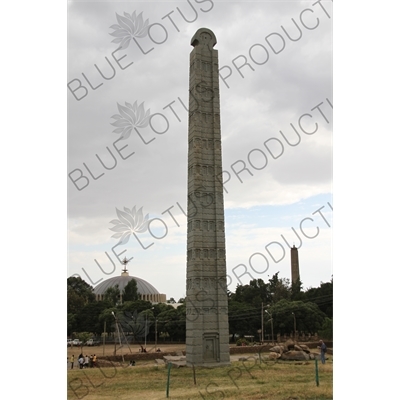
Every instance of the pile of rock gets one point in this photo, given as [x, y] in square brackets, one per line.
[289, 351]
[176, 361]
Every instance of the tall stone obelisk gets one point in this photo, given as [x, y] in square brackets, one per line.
[207, 329]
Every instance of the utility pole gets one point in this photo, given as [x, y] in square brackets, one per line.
[272, 329]
[294, 318]
[145, 334]
[120, 332]
[155, 341]
[272, 325]
[119, 337]
[262, 323]
[104, 338]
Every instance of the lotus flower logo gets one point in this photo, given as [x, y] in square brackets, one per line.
[129, 221]
[128, 27]
[131, 116]
[135, 322]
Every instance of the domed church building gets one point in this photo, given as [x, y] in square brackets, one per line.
[146, 291]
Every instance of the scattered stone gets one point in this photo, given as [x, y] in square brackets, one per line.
[174, 358]
[176, 364]
[274, 356]
[305, 348]
[289, 344]
[294, 355]
[317, 356]
[277, 349]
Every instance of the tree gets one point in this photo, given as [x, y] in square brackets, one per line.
[132, 316]
[244, 319]
[161, 307]
[245, 304]
[130, 292]
[279, 288]
[71, 324]
[135, 306]
[322, 297]
[171, 301]
[309, 318]
[147, 319]
[79, 293]
[297, 290]
[255, 293]
[87, 320]
[83, 337]
[164, 335]
[326, 331]
[173, 322]
[112, 295]
[136, 324]
[107, 317]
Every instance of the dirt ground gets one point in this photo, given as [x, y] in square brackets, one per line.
[110, 348]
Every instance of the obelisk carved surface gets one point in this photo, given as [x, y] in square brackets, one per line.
[207, 329]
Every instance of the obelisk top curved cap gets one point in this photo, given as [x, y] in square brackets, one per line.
[205, 37]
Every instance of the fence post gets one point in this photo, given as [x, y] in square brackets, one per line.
[168, 374]
[194, 375]
[316, 372]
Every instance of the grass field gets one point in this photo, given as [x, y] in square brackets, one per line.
[247, 380]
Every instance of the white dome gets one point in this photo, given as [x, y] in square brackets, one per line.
[143, 286]
[146, 291]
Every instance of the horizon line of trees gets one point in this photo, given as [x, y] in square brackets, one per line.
[312, 310]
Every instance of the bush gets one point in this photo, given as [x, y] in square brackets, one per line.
[326, 332]
[242, 342]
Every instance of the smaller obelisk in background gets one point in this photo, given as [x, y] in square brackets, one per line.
[294, 258]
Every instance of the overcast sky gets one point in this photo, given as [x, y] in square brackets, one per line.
[276, 124]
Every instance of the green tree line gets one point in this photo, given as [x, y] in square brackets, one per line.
[311, 309]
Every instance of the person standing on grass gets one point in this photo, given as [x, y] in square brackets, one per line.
[72, 359]
[323, 351]
[94, 360]
[81, 361]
